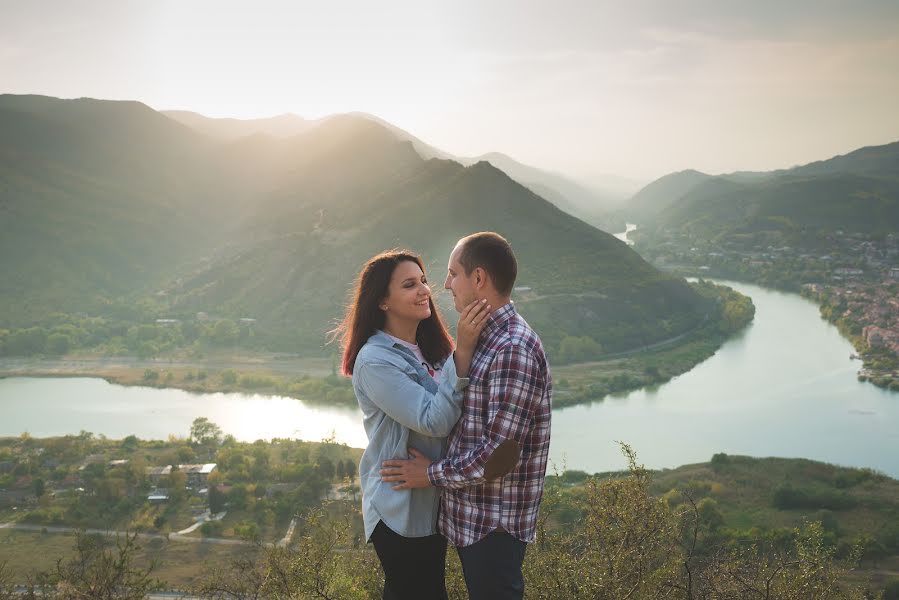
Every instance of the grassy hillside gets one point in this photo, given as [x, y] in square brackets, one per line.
[99, 200]
[660, 194]
[858, 192]
[746, 498]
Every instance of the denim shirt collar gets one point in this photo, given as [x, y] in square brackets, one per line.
[380, 338]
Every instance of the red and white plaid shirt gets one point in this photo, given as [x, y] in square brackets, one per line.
[509, 397]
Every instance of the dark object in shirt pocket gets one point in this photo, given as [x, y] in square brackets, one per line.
[503, 460]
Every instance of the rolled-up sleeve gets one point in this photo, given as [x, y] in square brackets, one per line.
[516, 385]
[410, 404]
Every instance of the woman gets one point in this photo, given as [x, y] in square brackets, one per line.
[398, 350]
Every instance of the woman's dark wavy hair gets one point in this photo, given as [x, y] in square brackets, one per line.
[364, 316]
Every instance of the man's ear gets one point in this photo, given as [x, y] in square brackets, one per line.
[480, 278]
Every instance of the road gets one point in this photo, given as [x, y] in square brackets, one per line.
[172, 537]
[318, 367]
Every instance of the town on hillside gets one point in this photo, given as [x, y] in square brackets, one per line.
[853, 276]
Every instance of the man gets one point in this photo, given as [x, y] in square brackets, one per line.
[507, 404]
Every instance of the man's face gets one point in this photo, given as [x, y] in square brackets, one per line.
[461, 285]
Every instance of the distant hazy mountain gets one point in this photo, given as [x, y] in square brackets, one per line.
[870, 161]
[572, 197]
[660, 194]
[857, 191]
[110, 204]
[286, 125]
[589, 203]
[585, 202]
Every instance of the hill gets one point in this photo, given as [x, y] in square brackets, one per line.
[98, 200]
[308, 239]
[112, 206]
[658, 195]
[858, 191]
[764, 498]
[575, 198]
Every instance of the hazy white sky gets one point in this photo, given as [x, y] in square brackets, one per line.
[579, 87]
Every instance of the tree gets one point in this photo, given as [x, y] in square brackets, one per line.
[217, 499]
[130, 443]
[100, 573]
[225, 333]
[326, 468]
[204, 432]
[575, 349]
[39, 487]
[58, 343]
[176, 485]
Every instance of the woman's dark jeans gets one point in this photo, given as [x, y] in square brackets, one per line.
[414, 568]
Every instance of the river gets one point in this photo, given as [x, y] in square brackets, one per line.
[783, 387]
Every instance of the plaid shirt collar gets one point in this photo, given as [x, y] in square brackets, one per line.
[498, 317]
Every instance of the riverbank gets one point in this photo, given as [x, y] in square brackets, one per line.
[218, 377]
[306, 379]
[592, 381]
[852, 277]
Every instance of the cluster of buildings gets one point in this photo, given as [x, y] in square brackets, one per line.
[19, 489]
[197, 477]
[856, 272]
[835, 257]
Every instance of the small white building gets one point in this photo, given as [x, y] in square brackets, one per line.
[158, 495]
[157, 473]
[197, 474]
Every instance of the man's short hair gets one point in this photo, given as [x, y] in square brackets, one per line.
[491, 252]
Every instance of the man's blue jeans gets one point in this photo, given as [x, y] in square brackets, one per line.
[492, 567]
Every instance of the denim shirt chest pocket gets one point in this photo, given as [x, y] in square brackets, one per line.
[418, 373]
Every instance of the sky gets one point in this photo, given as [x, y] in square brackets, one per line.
[636, 89]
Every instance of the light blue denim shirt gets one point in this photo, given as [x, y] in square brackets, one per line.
[402, 406]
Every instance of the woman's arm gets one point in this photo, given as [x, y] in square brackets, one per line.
[410, 404]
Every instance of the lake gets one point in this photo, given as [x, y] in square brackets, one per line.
[783, 387]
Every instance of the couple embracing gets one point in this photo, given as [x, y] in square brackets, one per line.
[458, 432]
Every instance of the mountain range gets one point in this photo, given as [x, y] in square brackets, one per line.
[590, 202]
[114, 208]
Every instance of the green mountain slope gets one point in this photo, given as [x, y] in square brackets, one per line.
[310, 238]
[858, 191]
[109, 203]
[660, 194]
[98, 200]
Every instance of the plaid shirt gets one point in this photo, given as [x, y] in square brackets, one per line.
[509, 397]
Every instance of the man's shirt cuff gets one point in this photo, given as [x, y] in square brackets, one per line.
[435, 474]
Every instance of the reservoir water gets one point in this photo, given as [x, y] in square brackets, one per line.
[784, 387]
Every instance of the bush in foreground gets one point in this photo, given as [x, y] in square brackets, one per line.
[626, 544]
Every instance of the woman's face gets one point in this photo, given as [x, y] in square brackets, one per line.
[408, 295]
